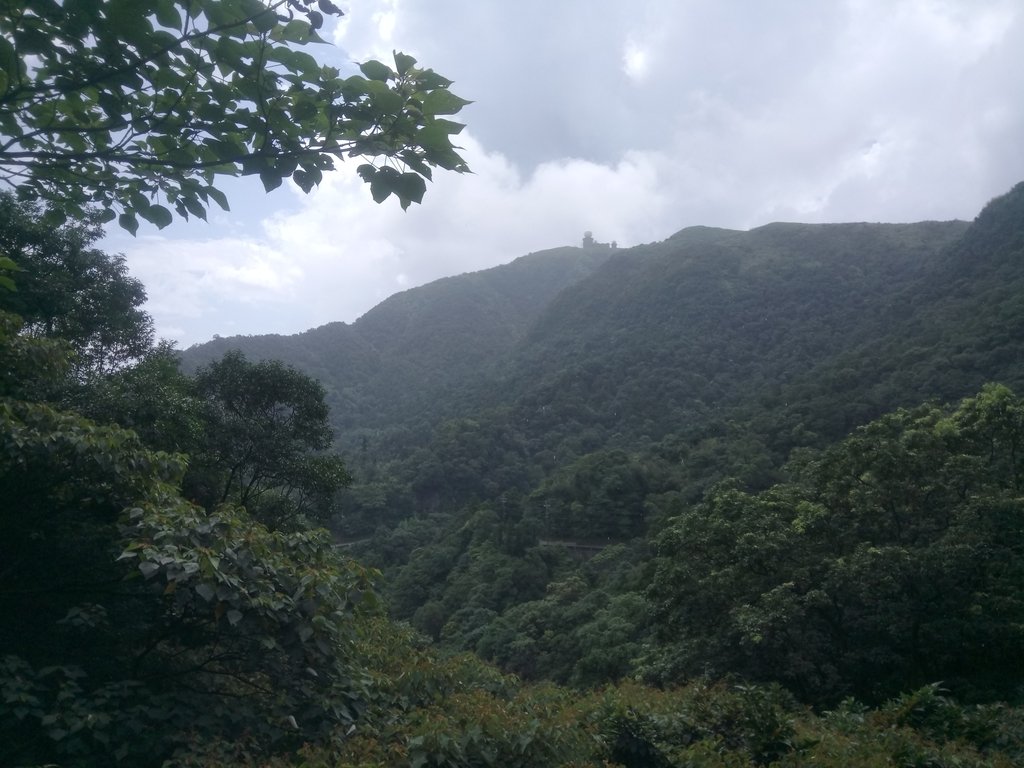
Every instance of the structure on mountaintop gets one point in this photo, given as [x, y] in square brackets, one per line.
[590, 242]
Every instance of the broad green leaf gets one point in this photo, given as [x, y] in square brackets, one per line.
[375, 70]
[271, 180]
[443, 102]
[167, 14]
[307, 179]
[8, 58]
[205, 591]
[429, 80]
[403, 62]
[366, 172]
[382, 183]
[410, 188]
[219, 197]
[157, 214]
[264, 22]
[385, 101]
[436, 135]
[295, 31]
[128, 221]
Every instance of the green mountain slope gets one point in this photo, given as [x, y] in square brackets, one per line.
[664, 336]
[503, 425]
[405, 359]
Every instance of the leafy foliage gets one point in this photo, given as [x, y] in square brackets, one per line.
[67, 289]
[153, 398]
[492, 456]
[893, 559]
[263, 426]
[140, 627]
[139, 106]
[161, 630]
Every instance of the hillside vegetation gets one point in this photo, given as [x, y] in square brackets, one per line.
[730, 499]
[697, 377]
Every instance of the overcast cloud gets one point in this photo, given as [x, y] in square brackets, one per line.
[633, 120]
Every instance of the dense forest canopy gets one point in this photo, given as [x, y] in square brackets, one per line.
[734, 498]
[661, 490]
[699, 377]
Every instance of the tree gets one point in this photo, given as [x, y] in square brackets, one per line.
[139, 105]
[153, 398]
[891, 560]
[137, 625]
[69, 290]
[265, 432]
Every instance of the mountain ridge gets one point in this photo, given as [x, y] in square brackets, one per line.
[706, 319]
[605, 406]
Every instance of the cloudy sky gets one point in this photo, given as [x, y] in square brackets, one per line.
[631, 119]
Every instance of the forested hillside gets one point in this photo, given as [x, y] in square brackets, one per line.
[730, 499]
[525, 508]
[404, 360]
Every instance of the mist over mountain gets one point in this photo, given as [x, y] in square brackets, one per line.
[404, 357]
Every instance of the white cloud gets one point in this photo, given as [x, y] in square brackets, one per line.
[367, 31]
[635, 61]
[339, 254]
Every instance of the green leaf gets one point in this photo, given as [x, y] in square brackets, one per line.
[374, 70]
[443, 102]
[295, 31]
[410, 188]
[385, 101]
[206, 592]
[429, 80]
[158, 215]
[193, 206]
[194, 104]
[264, 22]
[382, 184]
[167, 14]
[403, 62]
[435, 136]
[307, 179]
[219, 197]
[8, 57]
[128, 221]
[366, 172]
[271, 180]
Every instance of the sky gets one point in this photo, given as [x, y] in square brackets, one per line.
[631, 120]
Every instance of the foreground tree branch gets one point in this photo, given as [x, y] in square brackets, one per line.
[139, 106]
